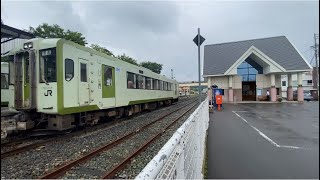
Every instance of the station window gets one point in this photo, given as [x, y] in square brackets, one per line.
[4, 81]
[139, 81]
[148, 83]
[69, 69]
[107, 75]
[130, 80]
[284, 83]
[83, 72]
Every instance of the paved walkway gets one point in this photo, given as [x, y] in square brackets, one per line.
[264, 141]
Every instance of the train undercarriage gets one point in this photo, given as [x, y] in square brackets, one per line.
[13, 122]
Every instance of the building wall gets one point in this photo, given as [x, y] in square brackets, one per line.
[7, 46]
[263, 82]
[188, 88]
[307, 82]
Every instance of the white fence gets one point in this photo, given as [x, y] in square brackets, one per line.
[182, 156]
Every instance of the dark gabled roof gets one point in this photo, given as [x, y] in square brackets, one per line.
[10, 32]
[219, 57]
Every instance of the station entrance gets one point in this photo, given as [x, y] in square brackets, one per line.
[248, 71]
[248, 90]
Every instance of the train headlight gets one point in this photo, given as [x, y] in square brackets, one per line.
[27, 45]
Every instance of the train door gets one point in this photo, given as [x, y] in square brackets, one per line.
[26, 89]
[108, 84]
[84, 89]
[23, 73]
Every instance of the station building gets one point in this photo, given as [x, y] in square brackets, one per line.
[188, 88]
[245, 70]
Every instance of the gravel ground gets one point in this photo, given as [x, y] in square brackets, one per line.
[36, 162]
[139, 162]
[108, 159]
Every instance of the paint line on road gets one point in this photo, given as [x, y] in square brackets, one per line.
[265, 136]
[315, 125]
[293, 147]
[261, 133]
[239, 111]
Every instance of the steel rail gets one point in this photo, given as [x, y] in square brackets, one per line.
[60, 170]
[110, 174]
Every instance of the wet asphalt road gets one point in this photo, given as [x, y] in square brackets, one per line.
[264, 141]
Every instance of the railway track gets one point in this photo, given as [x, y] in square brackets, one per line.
[129, 139]
[13, 151]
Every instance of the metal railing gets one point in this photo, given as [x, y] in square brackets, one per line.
[182, 156]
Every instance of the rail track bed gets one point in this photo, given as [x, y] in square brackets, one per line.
[37, 162]
[22, 144]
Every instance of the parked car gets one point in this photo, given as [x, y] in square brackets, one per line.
[306, 95]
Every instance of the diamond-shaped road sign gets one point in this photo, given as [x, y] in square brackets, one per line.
[195, 39]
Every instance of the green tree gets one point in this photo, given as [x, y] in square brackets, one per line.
[128, 59]
[55, 31]
[153, 66]
[101, 49]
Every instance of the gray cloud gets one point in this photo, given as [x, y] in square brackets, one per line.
[163, 31]
[25, 14]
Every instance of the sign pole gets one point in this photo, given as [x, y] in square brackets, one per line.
[198, 40]
[199, 65]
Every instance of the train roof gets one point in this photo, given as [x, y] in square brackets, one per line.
[53, 42]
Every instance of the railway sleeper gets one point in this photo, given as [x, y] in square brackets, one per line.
[33, 120]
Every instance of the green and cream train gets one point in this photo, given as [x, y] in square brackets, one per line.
[6, 94]
[58, 85]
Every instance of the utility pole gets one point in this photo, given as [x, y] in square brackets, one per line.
[317, 66]
[171, 73]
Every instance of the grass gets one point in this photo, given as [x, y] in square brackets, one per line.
[205, 159]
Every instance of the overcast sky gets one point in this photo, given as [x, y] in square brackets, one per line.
[163, 31]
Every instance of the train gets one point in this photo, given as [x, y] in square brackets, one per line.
[57, 85]
[6, 94]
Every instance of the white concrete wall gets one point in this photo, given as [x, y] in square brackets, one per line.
[221, 81]
[263, 81]
[305, 77]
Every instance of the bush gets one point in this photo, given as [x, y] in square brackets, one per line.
[279, 99]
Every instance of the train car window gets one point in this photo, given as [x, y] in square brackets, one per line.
[48, 67]
[26, 70]
[130, 80]
[159, 88]
[140, 81]
[175, 89]
[161, 85]
[155, 84]
[148, 83]
[69, 69]
[83, 72]
[4, 81]
[107, 76]
[11, 71]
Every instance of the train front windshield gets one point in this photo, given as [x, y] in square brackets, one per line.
[48, 65]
